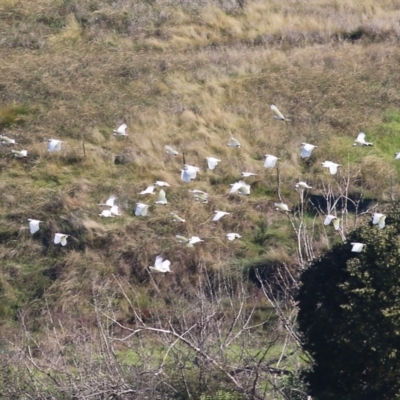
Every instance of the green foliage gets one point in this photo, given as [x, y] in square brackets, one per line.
[350, 316]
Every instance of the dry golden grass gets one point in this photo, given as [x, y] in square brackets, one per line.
[189, 76]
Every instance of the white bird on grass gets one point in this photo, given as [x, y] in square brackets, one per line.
[219, 214]
[306, 149]
[397, 156]
[199, 195]
[121, 131]
[332, 218]
[114, 210]
[379, 219]
[333, 167]
[54, 145]
[20, 153]
[161, 199]
[160, 265]
[357, 247]
[106, 214]
[33, 225]
[270, 161]
[148, 190]
[247, 174]
[162, 183]
[189, 172]
[234, 143]
[110, 201]
[240, 186]
[232, 236]
[212, 162]
[281, 207]
[177, 218]
[360, 140]
[141, 209]
[6, 140]
[189, 242]
[278, 115]
[302, 185]
[60, 238]
[170, 151]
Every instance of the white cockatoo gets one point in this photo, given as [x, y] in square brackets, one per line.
[278, 115]
[199, 195]
[212, 162]
[360, 140]
[270, 161]
[281, 207]
[219, 214]
[60, 238]
[106, 214]
[54, 145]
[332, 218]
[161, 199]
[20, 153]
[177, 218]
[397, 156]
[170, 151]
[247, 174]
[240, 186]
[110, 201]
[189, 172]
[6, 140]
[333, 167]
[148, 190]
[160, 265]
[234, 143]
[189, 242]
[357, 247]
[33, 225]
[120, 131]
[161, 183]
[379, 219]
[232, 236]
[302, 185]
[306, 149]
[114, 210]
[141, 209]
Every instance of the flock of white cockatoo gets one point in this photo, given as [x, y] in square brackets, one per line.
[189, 173]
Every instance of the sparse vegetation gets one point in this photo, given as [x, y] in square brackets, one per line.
[190, 75]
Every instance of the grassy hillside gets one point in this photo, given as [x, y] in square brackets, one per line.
[190, 75]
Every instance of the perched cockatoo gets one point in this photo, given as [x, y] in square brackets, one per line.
[121, 131]
[232, 236]
[212, 162]
[333, 167]
[199, 195]
[281, 207]
[141, 209]
[161, 199]
[33, 225]
[177, 218]
[302, 185]
[160, 265]
[219, 214]
[189, 172]
[60, 238]
[332, 218]
[170, 151]
[54, 145]
[357, 247]
[360, 141]
[379, 219]
[306, 149]
[278, 115]
[234, 143]
[270, 161]
[6, 140]
[20, 153]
